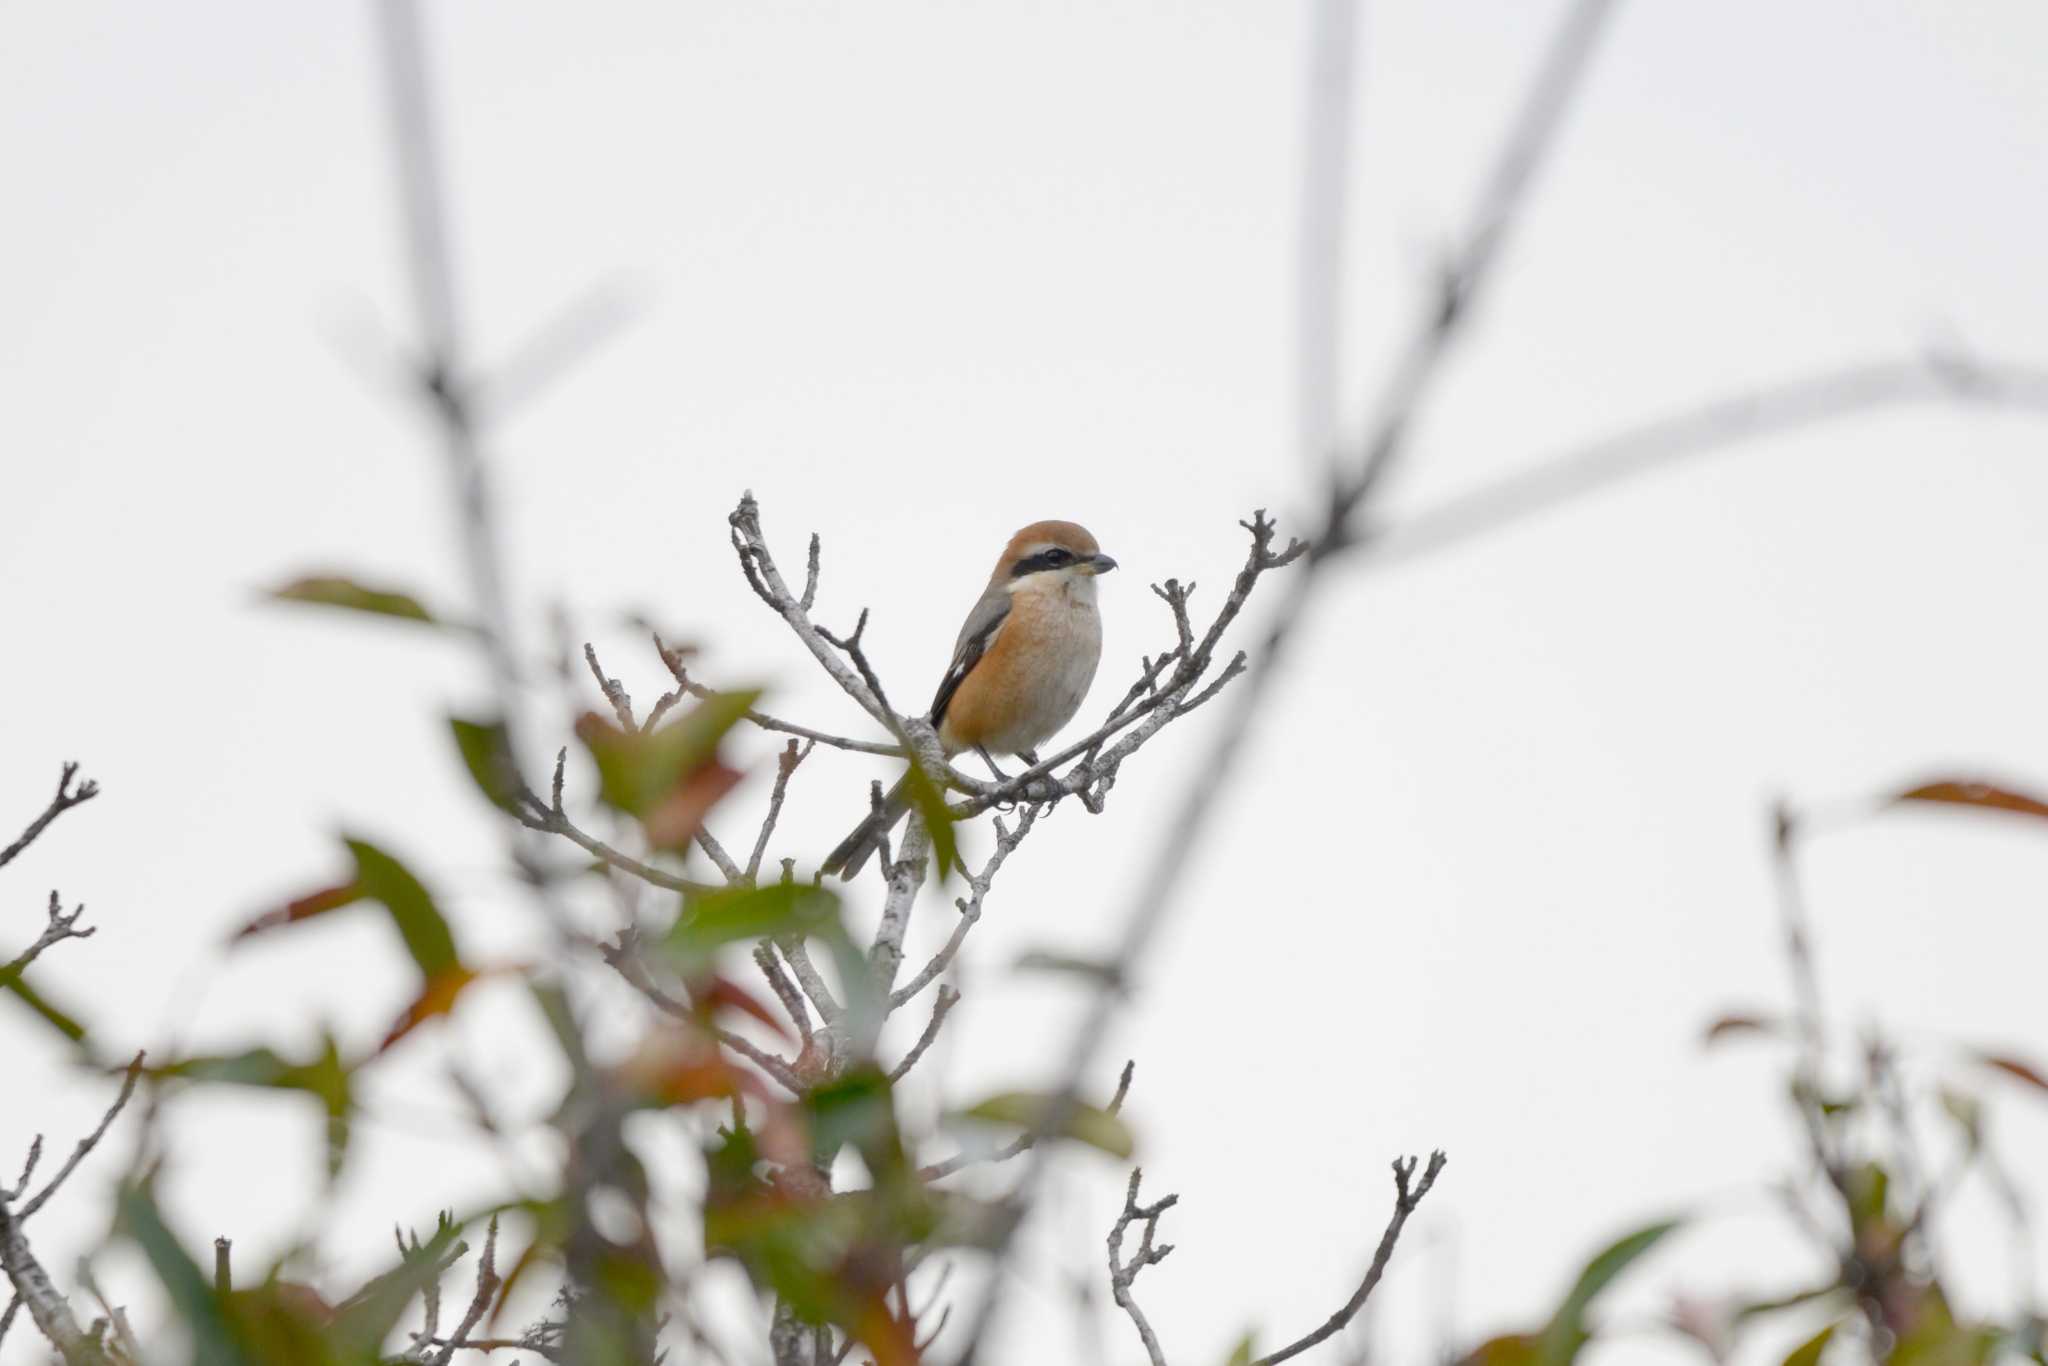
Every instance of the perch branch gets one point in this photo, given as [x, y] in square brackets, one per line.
[1413, 378]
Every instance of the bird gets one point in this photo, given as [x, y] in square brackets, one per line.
[1021, 667]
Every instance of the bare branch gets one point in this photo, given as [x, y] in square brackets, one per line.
[969, 907]
[810, 596]
[66, 798]
[47, 1307]
[487, 1283]
[86, 1144]
[624, 958]
[785, 766]
[28, 1171]
[906, 876]
[1708, 428]
[850, 645]
[60, 928]
[1406, 1197]
[1023, 1143]
[673, 658]
[1122, 1273]
[785, 990]
[766, 580]
[613, 690]
[799, 956]
[941, 1006]
[727, 867]
[551, 819]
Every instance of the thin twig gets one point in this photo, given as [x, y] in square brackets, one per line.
[941, 1006]
[67, 797]
[1122, 1273]
[785, 990]
[86, 1144]
[785, 766]
[1716, 425]
[969, 907]
[613, 690]
[487, 1283]
[551, 819]
[1406, 1198]
[59, 928]
[624, 958]
[684, 683]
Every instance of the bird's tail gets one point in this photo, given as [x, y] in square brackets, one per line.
[857, 848]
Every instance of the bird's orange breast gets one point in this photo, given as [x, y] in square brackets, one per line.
[1032, 679]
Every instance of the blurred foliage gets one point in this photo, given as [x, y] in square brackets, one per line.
[806, 1168]
[335, 590]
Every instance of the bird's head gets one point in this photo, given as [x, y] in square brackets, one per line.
[1060, 552]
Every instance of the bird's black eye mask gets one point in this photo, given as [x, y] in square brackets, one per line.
[1057, 557]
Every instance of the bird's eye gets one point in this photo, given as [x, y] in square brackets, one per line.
[1057, 556]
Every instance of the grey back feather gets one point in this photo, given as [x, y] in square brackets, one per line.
[976, 635]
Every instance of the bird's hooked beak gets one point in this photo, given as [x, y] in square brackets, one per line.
[1098, 564]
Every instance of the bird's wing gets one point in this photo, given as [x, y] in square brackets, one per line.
[980, 629]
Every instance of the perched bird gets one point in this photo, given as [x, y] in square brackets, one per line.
[1021, 666]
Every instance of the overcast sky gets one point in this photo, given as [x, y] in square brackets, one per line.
[918, 273]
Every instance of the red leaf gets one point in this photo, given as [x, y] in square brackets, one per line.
[1739, 1024]
[2013, 1067]
[305, 908]
[672, 823]
[721, 992]
[1963, 792]
[678, 1065]
[437, 997]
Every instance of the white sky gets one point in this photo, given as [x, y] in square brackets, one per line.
[918, 273]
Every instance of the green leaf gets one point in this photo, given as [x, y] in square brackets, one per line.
[1567, 1332]
[16, 982]
[487, 754]
[1087, 1124]
[191, 1293]
[930, 805]
[1100, 971]
[735, 915]
[637, 770]
[324, 1077]
[383, 878]
[1808, 1353]
[1242, 1354]
[1869, 1192]
[854, 1110]
[369, 1315]
[333, 590]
